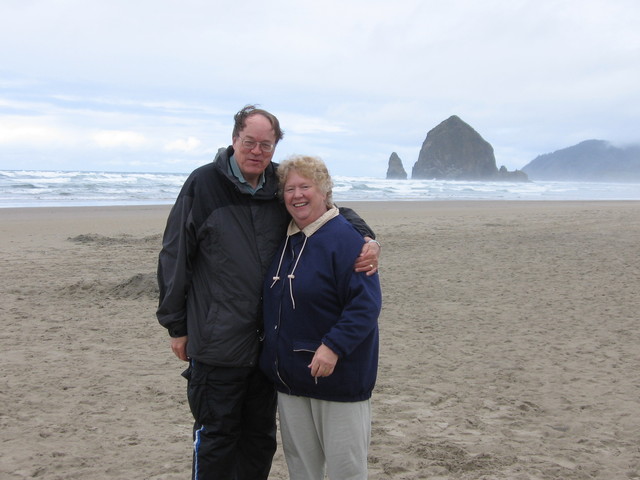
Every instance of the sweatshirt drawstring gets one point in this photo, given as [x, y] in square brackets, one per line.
[277, 277]
[291, 276]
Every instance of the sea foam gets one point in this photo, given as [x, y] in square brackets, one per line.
[26, 188]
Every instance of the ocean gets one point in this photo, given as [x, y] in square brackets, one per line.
[25, 188]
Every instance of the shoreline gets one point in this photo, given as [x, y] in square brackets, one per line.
[412, 204]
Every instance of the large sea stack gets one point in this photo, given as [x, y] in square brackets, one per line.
[455, 151]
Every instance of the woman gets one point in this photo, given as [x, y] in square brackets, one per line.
[321, 331]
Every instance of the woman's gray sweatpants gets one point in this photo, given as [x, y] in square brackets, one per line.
[318, 432]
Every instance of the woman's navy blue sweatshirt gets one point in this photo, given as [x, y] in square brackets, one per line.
[327, 302]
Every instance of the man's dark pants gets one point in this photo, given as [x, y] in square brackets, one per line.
[234, 432]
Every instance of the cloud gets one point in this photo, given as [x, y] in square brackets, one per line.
[191, 144]
[29, 134]
[119, 138]
[311, 125]
[26, 131]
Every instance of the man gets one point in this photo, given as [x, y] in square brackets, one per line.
[221, 234]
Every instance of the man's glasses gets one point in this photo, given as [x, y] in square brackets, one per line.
[266, 147]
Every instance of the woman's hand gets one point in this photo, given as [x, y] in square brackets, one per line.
[324, 362]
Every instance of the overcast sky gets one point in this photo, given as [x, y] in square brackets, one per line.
[152, 85]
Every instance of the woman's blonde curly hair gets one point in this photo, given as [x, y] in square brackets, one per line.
[309, 167]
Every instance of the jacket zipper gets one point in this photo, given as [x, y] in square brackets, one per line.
[277, 365]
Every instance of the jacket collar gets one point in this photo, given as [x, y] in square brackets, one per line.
[269, 189]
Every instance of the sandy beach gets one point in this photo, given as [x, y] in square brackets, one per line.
[510, 344]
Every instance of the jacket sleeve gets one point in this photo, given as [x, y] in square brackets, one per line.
[174, 267]
[358, 223]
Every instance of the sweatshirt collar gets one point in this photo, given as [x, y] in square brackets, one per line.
[314, 226]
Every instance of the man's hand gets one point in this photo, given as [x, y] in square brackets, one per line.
[179, 347]
[368, 259]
